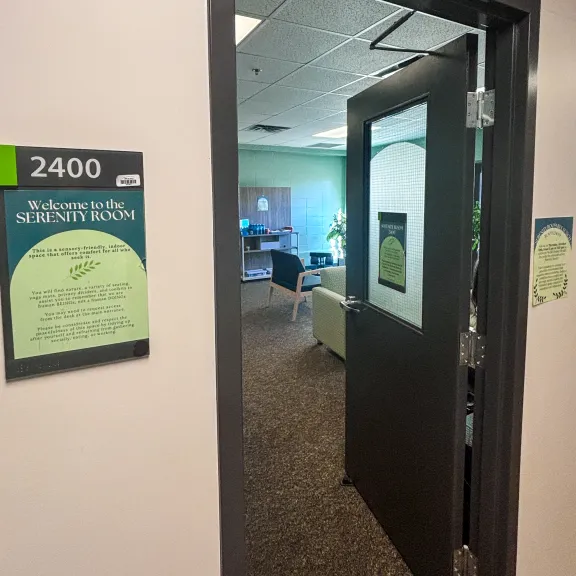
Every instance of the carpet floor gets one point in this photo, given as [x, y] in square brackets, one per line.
[300, 521]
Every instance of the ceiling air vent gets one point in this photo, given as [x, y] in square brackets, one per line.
[266, 128]
[324, 145]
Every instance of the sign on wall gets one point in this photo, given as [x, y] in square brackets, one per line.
[392, 253]
[552, 252]
[262, 204]
[73, 266]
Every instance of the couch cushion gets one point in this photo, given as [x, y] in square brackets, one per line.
[308, 283]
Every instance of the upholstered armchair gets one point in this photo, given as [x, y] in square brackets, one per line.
[290, 276]
[328, 319]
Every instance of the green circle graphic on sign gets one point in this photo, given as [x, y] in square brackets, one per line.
[78, 289]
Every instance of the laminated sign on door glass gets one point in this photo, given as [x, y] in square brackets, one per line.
[392, 263]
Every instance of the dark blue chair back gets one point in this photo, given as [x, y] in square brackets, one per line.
[320, 260]
[285, 269]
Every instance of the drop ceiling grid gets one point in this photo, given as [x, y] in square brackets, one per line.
[350, 18]
[310, 64]
[392, 13]
[261, 8]
[298, 77]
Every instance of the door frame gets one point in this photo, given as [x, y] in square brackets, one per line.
[509, 162]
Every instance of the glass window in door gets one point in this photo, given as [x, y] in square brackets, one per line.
[396, 214]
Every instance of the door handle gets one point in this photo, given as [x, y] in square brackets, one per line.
[348, 305]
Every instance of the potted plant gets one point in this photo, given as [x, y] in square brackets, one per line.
[337, 236]
[476, 219]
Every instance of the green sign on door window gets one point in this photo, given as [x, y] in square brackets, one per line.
[392, 254]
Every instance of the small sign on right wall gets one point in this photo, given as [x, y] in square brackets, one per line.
[552, 252]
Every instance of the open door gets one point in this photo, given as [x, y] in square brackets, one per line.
[410, 189]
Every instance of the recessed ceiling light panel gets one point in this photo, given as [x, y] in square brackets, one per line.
[341, 132]
[244, 25]
[335, 133]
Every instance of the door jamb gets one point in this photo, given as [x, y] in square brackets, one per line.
[224, 148]
[507, 283]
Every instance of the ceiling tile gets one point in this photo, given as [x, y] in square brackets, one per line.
[246, 89]
[298, 116]
[421, 32]
[330, 102]
[266, 109]
[242, 125]
[357, 87]
[285, 41]
[356, 56]
[337, 119]
[277, 99]
[373, 32]
[270, 70]
[321, 79]
[259, 7]
[246, 136]
[348, 17]
[274, 139]
[251, 117]
[323, 125]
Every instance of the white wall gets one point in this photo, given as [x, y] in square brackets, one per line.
[547, 529]
[112, 471]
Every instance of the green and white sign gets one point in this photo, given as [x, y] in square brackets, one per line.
[392, 252]
[74, 270]
[552, 253]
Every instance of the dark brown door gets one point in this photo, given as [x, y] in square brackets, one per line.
[409, 202]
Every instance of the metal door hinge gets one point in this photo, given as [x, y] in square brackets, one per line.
[472, 349]
[480, 109]
[465, 563]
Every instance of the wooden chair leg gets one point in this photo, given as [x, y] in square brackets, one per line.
[298, 296]
[296, 304]
[269, 296]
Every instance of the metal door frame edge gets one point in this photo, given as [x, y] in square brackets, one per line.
[511, 220]
[224, 146]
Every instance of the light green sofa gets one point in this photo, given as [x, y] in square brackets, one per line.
[328, 319]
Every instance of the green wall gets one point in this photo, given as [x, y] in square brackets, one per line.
[318, 184]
